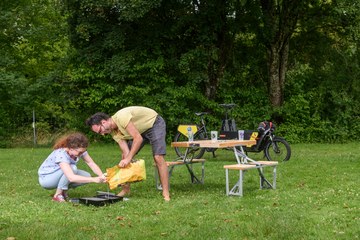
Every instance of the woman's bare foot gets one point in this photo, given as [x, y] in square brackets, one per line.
[166, 198]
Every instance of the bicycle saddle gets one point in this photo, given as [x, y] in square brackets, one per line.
[201, 113]
[228, 105]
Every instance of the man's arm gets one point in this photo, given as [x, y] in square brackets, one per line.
[136, 144]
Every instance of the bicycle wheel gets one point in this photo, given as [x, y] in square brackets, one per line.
[198, 152]
[278, 150]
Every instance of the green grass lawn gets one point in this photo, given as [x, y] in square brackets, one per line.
[317, 197]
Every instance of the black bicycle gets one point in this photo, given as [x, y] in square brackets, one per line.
[275, 148]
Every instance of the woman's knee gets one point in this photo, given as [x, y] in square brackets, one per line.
[74, 168]
[83, 173]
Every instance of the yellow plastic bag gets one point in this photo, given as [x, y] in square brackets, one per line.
[134, 172]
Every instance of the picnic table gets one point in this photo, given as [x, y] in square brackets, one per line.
[235, 145]
[244, 162]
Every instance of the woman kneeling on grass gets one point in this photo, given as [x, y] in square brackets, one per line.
[59, 169]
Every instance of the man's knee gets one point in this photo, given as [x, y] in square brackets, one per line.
[159, 159]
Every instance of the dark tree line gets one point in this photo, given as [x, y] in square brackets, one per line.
[293, 62]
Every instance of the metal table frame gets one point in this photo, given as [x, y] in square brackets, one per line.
[235, 145]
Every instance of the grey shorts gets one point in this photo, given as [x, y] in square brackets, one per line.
[155, 136]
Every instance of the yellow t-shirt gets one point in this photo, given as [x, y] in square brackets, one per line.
[142, 117]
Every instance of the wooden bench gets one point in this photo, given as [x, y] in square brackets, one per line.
[189, 165]
[237, 189]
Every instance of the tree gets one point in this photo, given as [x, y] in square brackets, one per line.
[278, 23]
[32, 43]
[287, 57]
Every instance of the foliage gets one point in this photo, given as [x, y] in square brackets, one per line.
[32, 43]
[69, 59]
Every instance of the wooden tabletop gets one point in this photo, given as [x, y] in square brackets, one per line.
[214, 144]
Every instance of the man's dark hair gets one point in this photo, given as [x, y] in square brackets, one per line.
[96, 119]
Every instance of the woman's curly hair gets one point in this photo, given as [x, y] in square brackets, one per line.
[72, 140]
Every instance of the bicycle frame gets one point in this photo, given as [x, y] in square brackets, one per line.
[203, 127]
[196, 128]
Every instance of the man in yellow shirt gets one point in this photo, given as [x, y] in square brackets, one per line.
[131, 128]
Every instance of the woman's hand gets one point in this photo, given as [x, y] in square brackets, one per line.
[101, 179]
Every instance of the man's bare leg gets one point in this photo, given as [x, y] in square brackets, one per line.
[164, 175]
[125, 190]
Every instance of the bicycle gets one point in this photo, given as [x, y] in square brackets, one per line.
[201, 133]
[275, 148]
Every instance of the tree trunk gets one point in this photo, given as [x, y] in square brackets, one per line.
[219, 49]
[215, 71]
[280, 19]
[278, 59]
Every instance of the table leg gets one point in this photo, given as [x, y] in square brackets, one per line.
[241, 157]
[185, 154]
[241, 182]
[263, 180]
[194, 179]
[202, 172]
[274, 178]
[227, 181]
[237, 189]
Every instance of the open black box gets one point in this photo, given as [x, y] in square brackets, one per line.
[101, 199]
